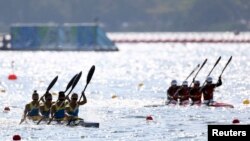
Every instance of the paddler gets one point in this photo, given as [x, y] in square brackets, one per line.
[208, 90]
[46, 105]
[195, 94]
[183, 93]
[58, 109]
[172, 97]
[72, 109]
[32, 109]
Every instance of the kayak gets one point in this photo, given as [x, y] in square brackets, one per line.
[85, 124]
[81, 123]
[214, 104]
[221, 104]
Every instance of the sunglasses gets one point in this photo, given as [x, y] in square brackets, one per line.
[74, 98]
[49, 99]
[35, 99]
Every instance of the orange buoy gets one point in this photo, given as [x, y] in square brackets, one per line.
[12, 77]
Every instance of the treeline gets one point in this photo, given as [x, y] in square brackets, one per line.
[132, 15]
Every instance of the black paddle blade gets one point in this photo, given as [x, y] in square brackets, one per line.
[217, 61]
[90, 74]
[52, 84]
[76, 80]
[70, 83]
[203, 63]
[226, 65]
[193, 71]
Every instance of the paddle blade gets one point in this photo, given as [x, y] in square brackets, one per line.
[217, 61]
[226, 65]
[193, 71]
[76, 81]
[205, 61]
[52, 83]
[90, 74]
[70, 83]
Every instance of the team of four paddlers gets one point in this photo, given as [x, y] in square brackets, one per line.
[64, 110]
[184, 93]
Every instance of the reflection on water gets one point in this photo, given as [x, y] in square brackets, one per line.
[137, 75]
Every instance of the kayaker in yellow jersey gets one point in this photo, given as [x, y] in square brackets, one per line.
[46, 105]
[58, 109]
[72, 109]
[32, 109]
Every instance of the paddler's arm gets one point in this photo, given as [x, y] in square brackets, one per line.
[52, 111]
[67, 98]
[84, 101]
[24, 113]
[219, 83]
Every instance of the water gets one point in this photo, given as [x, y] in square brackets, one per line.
[138, 75]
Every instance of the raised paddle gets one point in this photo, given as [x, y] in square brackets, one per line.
[193, 71]
[226, 65]
[68, 86]
[77, 78]
[52, 83]
[210, 72]
[75, 82]
[185, 80]
[198, 71]
[90, 74]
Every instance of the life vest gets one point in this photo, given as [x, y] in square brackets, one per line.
[46, 111]
[184, 94]
[60, 111]
[208, 91]
[171, 93]
[195, 94]
[34, 110]
[73, 112]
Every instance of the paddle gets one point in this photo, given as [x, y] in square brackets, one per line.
[89, 77]
[75, 82]
[52, 83]
[90, 74]
[198, 71]
[185, 80]
[210, 72]
[77, 78]
[68, 86]
[226, 66]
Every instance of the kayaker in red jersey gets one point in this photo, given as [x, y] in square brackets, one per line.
[208, 90]
[172, 96]
[195, 93]
[183, 94]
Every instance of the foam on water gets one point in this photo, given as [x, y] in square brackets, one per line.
[137, 75]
